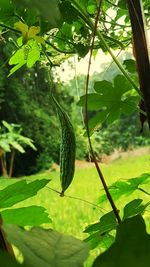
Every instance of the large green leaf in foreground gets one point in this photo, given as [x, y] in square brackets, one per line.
[131, 248]
[47, 248]
[20, 191]
[7, 260]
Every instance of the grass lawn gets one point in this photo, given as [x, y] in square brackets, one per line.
[71, 216]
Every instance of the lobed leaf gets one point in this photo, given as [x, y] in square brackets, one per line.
[110, 100]
[47, 248]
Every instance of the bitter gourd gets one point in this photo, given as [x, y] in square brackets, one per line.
[67, 148]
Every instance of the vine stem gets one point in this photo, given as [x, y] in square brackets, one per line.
[9, 28]
[87, 125]
[76, 198]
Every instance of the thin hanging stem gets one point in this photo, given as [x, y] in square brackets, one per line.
[142, 190]
[11, 162]
[87, 126]
[77, 198]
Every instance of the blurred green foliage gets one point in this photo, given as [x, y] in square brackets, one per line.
[25, 100]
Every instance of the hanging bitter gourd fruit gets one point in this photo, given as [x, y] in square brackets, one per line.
[67, 148]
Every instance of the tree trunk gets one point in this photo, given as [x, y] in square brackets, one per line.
[11, 162]
[4, 165]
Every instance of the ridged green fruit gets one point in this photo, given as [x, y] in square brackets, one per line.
[67, 148]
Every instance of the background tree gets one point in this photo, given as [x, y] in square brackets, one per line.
[11, 141]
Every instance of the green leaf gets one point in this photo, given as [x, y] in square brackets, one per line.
[102, 87]
[133, 208]
[81, 49]
[129, 104]
[5, 4]
[5, 182]
[20, 191]
[106, 224]
[47, 248]
[47, 9]
[6, 260]
[33, 56]
[112, 99]
[17, 146]
[8, 126]
[33, 216]
[122, 4]
[114, 113]
[25, 140]
[121, 13]
[27, 54]
[121, 85]
[94, 101]
[97, 239]
[6, 9]
[99, 232]
[15, 68]
[18, 58]
[91, 8]
[131, 247]
[125, 187]
[96, 121]
[130, 65]
[68, 12]
[5, 145]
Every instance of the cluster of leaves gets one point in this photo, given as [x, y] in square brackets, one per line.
[72, 252]
[21, 190]
[127, 249]
[13, 138]
[102, 232]
[56, 248]
[66, 27]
